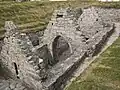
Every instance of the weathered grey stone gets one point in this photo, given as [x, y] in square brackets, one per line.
[70, 37]
[34, 39]
[36, 67]
[82, 41]
[7, 88]
[10, 84]
[18, 85]
[13, 85]
[21, 88]
[38, 71]
[15, 51]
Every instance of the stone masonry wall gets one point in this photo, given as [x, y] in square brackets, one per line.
[70, 37]
[86, 35]
[16, 55]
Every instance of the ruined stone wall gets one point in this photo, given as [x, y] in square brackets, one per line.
[62, 24]
[85, 34]
[16, 55]
[70, 37]
[109, 14]
[75, 26]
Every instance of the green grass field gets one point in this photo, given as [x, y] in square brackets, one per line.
[29, 16]
[103, 74]
[34, 16]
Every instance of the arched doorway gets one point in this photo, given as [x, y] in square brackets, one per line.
[60, 48]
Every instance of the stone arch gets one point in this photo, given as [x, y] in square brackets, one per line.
[61, 49]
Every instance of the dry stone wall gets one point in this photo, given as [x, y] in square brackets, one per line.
[11, 85]
[46, 62]
[17, 55]
[85, 36]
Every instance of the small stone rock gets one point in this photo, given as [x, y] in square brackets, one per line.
[12, 85]
[25, 89]
[40, 60]
[18, 85]
[36, 67]
[38, 71]
[16, 89]
[31, 62]
[23, 34]
[21, 88]
[29, 57]
[7, 88]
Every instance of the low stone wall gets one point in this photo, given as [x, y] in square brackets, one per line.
[100, 45]
[64, 72]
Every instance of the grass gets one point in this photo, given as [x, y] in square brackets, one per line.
[24, 13]
[103, 74]
[29, 16]
[32, 12]
[28, 12]
[36, 15]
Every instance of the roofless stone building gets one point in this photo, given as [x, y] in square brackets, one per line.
[70, 37]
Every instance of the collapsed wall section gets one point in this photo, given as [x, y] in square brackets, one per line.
[88, 35]
[71, 37]
[16, 54]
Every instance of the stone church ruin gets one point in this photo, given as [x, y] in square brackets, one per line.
[70, 37]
